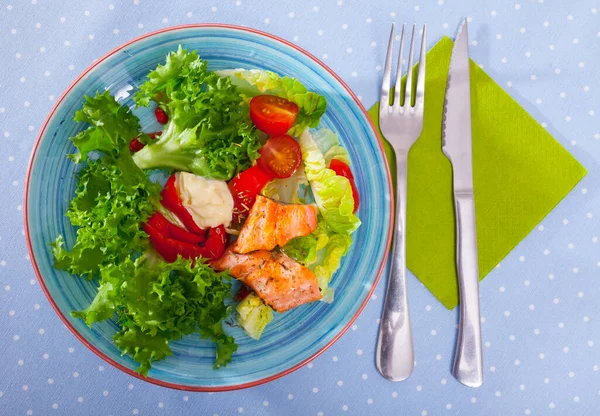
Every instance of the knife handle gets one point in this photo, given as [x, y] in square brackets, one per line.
[395, 355]
[468, 362]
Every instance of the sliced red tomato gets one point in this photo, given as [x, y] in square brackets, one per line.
[281, 156]
[172, 202]
[244, 187]
[273, 115]
[342, 169]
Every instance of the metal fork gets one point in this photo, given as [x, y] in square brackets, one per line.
[401, 124]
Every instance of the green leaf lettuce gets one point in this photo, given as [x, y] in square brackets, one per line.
[332, 193]
[254, 315]
[209, 131]
[159, 302]
[156, 302]
[252, 82]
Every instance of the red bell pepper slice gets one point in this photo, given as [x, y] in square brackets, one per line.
[163, 236]
[161, 116]
[244, 187]
[342, 169]
[171, 201]
[160, 223]
[215, 243]
[170, 248]
[135, 145]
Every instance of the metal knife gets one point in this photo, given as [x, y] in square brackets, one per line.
[456, 145]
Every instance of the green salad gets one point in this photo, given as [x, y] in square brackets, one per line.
[256, 192]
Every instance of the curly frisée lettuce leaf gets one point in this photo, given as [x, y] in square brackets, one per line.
[252, 82]
[155, 302]
[158, 302]
[209, 132]
[111, 201]
[113, 196]
[112, 126]
[143, 347]
[332, 193]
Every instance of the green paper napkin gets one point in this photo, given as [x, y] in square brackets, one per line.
[520, 173]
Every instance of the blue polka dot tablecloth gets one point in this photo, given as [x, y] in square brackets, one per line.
[540, 307]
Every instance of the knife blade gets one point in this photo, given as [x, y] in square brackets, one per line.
[456, 133]
[457, 146]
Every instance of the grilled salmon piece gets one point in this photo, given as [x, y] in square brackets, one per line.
[294, 220]
[279, 280]
[272, 223]
[258, 232]
[242, 265]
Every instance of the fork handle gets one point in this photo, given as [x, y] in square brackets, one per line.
[395, 354]
[468, 362]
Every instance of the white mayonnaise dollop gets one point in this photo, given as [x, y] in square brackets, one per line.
[208, 200]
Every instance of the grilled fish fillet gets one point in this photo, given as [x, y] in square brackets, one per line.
[272, 224]
[279, 280]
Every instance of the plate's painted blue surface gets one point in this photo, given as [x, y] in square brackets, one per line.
[294, 336]
[541, 329]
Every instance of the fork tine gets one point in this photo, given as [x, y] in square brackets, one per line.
[399, 70]
[420, 97]
[408, 93]
[384, 101]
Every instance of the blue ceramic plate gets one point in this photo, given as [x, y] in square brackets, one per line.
[293, 338]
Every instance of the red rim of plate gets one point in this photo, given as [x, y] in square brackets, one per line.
[128, 370]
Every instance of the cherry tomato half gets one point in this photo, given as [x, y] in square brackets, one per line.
[273, 115]
[341, 169]
[280, 156]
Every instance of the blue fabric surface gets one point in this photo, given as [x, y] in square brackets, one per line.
[540, 310]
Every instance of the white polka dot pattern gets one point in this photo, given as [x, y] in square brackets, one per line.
[540, 330]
